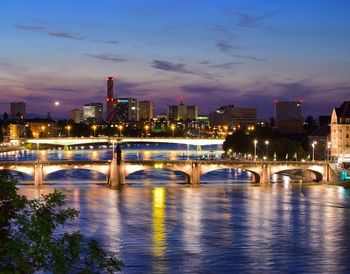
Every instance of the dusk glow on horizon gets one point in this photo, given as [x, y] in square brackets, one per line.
[211, 53]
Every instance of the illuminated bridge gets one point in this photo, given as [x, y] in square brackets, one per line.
[98, 140]
[193, 170]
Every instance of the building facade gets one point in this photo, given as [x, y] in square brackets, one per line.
[340, 132]
[182, 112]
[77, 115]
[93, 112]
[288, 117]
[126, 110]
[232, 116]
[145, 110]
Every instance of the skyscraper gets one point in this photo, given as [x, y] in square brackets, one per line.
[126, 110]
[93, 111]
[18, 110]
[288, 117]
[110, 99]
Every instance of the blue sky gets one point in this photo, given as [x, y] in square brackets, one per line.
[241, 52]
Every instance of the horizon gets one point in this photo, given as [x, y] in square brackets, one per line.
[244, 53]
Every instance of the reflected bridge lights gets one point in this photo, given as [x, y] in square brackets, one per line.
[158, 165]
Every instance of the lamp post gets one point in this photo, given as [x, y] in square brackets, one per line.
[120, 127]
[146, 129]
[267, 149]
[173, 130]
[329, 151]
[68, 130]
[314, 143]
[255, 143]
[94, 129]
[43, 131]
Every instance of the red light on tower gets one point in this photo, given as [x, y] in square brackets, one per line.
[275, 101]
[180, 100]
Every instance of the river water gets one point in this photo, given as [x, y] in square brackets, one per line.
[156, 224]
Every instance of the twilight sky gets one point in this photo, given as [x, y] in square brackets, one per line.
[213, 52]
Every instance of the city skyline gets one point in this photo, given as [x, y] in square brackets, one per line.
[245, 53]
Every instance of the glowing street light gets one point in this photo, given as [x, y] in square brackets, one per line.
[43, 131]
[94, 127]
[173, 130]
[255, 143]
[146, 129]
[267, 149]
[314, 143]
[120, 127]
[68, 130]
[329, 151]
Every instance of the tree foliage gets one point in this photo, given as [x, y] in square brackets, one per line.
[30, 242]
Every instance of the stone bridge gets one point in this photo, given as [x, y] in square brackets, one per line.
[193, 170]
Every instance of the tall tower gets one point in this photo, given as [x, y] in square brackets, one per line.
[109, 99]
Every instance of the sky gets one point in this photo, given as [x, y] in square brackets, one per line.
[247, 53]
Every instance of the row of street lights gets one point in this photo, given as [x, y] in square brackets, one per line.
[267, 149]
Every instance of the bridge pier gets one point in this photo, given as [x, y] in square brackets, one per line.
[330, 175]
[38, 175]
[116, 174]
[195, 176]
[265, 175]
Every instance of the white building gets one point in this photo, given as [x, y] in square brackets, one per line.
[340, 132]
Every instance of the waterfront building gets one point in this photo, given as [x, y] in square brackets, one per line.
[340, 132]
[17, 110]
[43, 128]
[288, 117]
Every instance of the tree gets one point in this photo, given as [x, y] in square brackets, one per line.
[29, 241]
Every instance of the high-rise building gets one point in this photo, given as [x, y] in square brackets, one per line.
[77, 115]
[288, 118]
[182, 112]
[126, 110]
[93, 111]
[340, 132]
[110, 100]
[192, 112]
[18, 110]
[233, 116]
[145, 110]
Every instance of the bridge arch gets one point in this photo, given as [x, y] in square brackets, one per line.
[27, 170]
[49, 170]
[316, 171]
[255, 171]
[129, 170]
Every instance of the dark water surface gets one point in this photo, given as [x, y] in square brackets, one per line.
[156, 224]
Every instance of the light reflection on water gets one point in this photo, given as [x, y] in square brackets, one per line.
[216, 228]
[156, 224]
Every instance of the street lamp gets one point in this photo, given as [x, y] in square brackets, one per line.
[94, 127]
[329, 151]
[43, 131]
[267, 149]
[173, 130]
[314, 143]
[68, 130]
[120, 127]
[255, 142]
[146, 129]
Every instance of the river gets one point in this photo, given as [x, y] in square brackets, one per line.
[157, 224]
